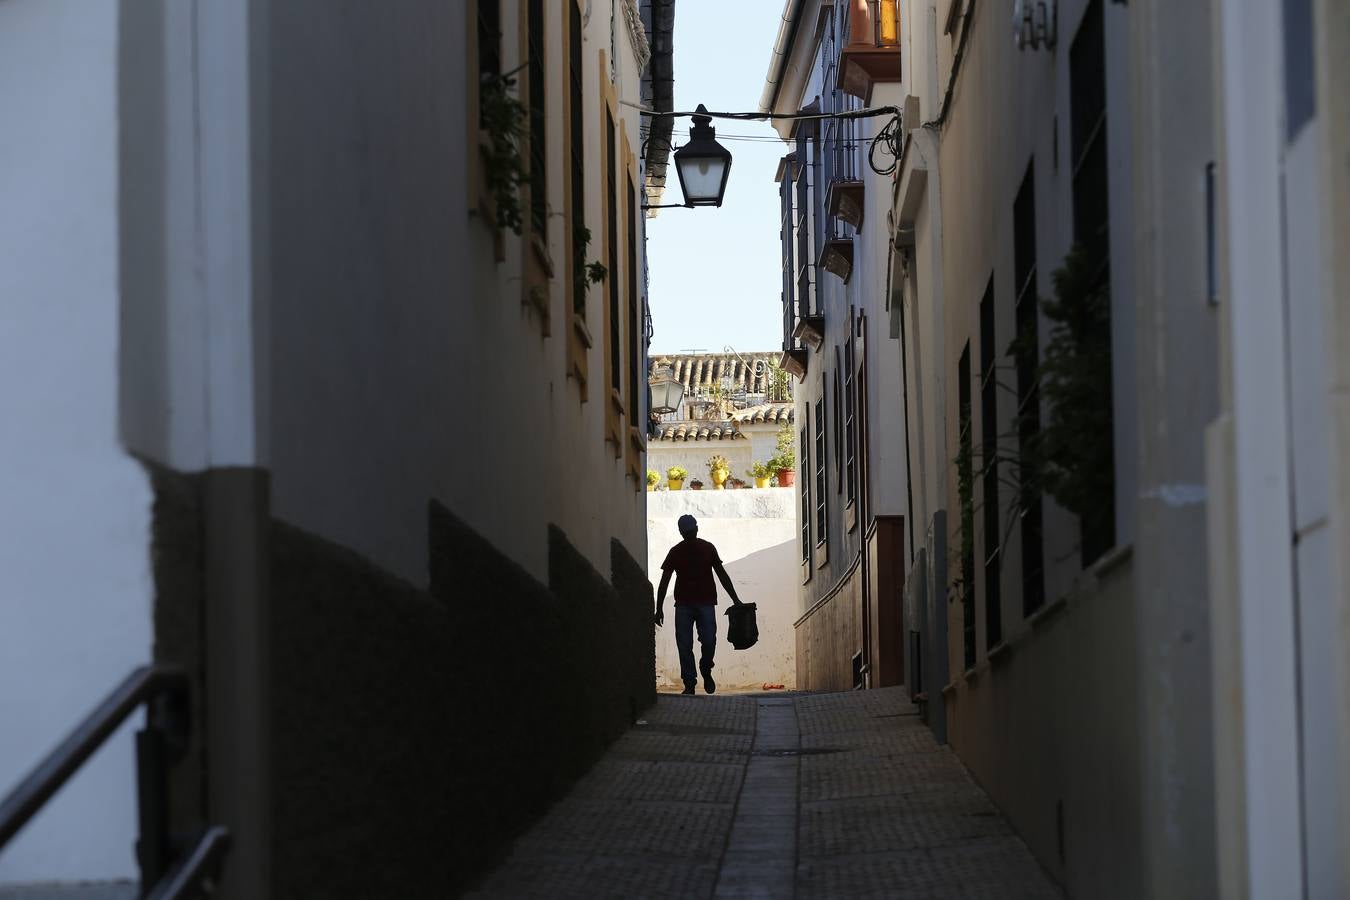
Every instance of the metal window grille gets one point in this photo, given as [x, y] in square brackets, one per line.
[577, 151]
[489, 37]
[850, 423]
[1028, 395]
[993, 612]
[634, 345]
[822, 523]
[612, 253]
[538, 120]
[967, 499]
[804, 465]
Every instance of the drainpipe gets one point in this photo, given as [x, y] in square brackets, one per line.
[782, 48]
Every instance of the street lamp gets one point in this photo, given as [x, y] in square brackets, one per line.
[703, 164]
[667, 393]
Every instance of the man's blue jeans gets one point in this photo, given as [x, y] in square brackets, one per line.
[686, 617]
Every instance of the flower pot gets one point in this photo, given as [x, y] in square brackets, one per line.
[650, 486]
[695, 485]
[719, 477]
[675, 483]
[762, 482]
[787, 477]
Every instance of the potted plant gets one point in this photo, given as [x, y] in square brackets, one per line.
[653, 479]
[784, 461]
[675, 477]
[761, 472]
[737, 483]
[695, 485]
[720, 470]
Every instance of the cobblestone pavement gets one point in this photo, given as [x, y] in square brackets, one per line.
[776, 796]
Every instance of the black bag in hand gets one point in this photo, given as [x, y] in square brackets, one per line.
[742, 630]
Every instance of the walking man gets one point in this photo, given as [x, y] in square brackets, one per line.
[693, 561]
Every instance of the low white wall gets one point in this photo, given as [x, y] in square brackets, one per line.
[694, 455]
[755, 532]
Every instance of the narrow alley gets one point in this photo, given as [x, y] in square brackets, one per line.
[805, 795]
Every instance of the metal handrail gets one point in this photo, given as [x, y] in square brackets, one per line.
[189, 875]
[144, 685]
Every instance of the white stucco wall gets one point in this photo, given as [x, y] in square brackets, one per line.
[395, 330]
[755, 534]
[75, 614]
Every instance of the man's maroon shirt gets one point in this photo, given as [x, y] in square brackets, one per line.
[692, 562]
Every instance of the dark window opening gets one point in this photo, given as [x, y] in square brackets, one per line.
[850, 423]
[993, 613]
[489, 37]
[612, 253]
[1300, 79]
[836, 379]
[538, 121]
[804, 466]
[577, 151]
[1027, 359]
[1091, 207]
[634, 346]
[822, 526]
[966, 490]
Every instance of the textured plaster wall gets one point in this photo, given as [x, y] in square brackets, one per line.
[74, 521]
[755, 534]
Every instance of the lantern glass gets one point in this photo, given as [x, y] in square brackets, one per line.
[702, 179]
[667, 394]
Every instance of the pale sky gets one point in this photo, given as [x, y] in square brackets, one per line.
[716, 273]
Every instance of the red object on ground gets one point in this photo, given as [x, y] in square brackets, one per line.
[773, 687]
[787, 477]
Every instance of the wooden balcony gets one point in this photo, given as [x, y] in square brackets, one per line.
[794, 361]
[844, 201]
[836, 257]
[810, 330]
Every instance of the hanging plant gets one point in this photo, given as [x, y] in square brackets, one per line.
[502, 118]
[585, 273]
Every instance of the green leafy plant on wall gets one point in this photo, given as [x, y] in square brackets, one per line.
[585, 273]
[502, 119]
[1066, 453]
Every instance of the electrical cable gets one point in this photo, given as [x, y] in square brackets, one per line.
[888, 138]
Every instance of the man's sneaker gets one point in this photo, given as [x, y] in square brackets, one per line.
[688, 689]
[709, 686]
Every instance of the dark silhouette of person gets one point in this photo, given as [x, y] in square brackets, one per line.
[693, 561]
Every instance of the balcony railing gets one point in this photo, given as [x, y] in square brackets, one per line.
[871, 46]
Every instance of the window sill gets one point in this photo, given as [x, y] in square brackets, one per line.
[807, 571]
[822, 555]
[1046, 613]
[999, 653]
[1111, 560]
[851, 517]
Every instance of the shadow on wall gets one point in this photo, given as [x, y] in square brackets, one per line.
[415, 732]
